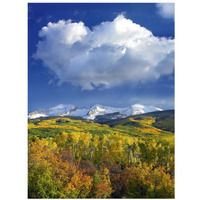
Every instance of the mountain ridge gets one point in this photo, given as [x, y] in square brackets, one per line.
[91, 112]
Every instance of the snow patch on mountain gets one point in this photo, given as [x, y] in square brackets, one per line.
[79, 111]
[60, 109]
[100, 110]
[36, 115]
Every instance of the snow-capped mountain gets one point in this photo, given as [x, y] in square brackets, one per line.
[54, 111]
[91, 112]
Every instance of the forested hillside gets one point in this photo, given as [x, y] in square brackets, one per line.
[75, 158]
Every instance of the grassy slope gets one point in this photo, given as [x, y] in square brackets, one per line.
[162, 120]
[147, 126]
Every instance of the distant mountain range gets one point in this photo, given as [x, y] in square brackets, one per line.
[92, 112]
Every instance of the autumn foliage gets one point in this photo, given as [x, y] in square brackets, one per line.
[79, 164]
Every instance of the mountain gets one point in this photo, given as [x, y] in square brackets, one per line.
[54, 111]
[91, 112]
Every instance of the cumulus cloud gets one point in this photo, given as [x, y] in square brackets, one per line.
[166, 10]
[112, 53]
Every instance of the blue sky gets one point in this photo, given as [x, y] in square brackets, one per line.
[118, 63]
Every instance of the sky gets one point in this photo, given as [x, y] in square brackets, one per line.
[113, 54]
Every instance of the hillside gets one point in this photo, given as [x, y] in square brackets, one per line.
[155, 123]
[162, 120]
[71, 157]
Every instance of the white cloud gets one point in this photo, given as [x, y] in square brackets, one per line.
[166, 10]
[162, 102]
[110, 54]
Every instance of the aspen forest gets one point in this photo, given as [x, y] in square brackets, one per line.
[126, 158]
